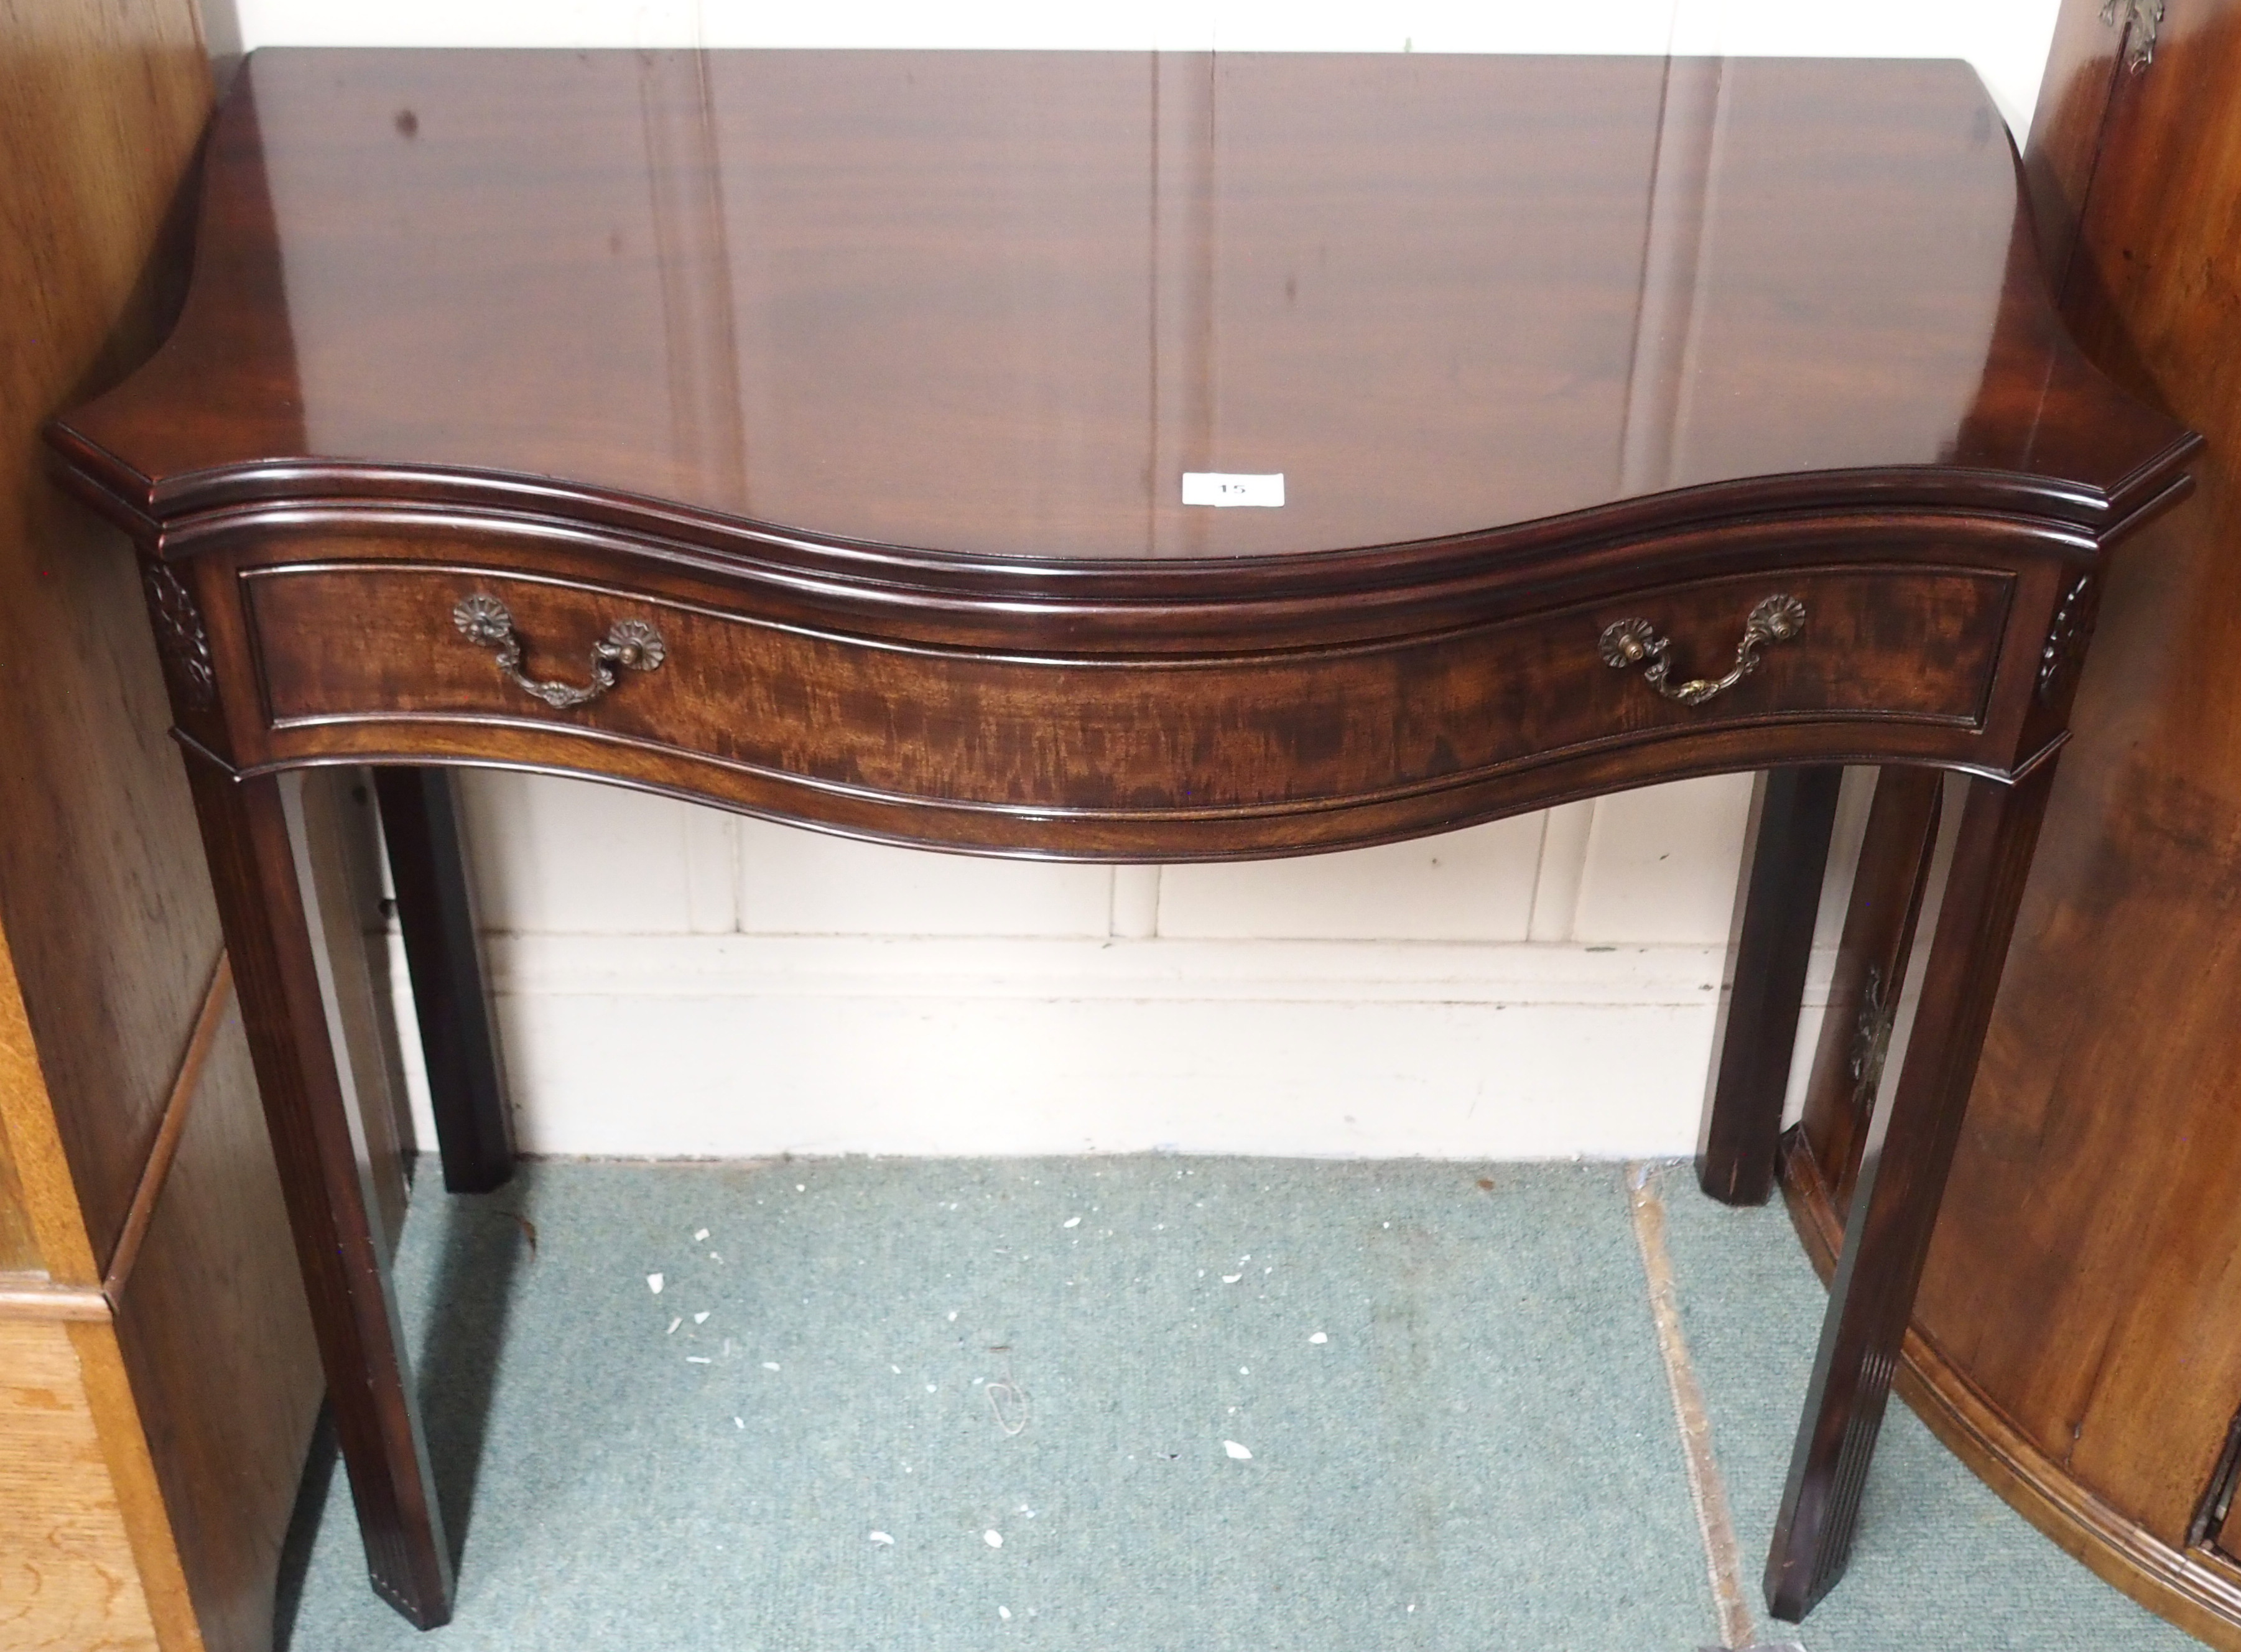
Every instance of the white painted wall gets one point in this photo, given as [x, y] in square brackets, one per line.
[674, 981]
[2006, 40]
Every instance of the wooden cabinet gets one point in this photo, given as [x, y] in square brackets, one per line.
[157, 1378]
[2078, 1339]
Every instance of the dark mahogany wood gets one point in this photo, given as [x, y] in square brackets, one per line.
[1872, 953]
[867, 381]
[331, 1206]
[2084, 67]
[158, 1375]
[2075, 1335]
[1763, 980]
[1363, 738]
[993, 304]
[435, 910]
[1987, 835]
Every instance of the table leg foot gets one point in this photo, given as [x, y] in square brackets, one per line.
[1763, 981]
[427, 863]
[1985, 836]
[255, 870]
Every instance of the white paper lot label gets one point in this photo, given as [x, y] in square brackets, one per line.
[1221, 487]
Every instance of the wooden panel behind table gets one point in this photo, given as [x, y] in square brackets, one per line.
[20, 1252]
[231, 1432]
[2128, 1128]
[2082, 71]
[149, 1461]
[2078, 1333]
[105, 903]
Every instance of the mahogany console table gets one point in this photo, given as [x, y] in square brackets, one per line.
[818, 435]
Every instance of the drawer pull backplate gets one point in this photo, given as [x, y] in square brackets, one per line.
[1629, 642]
[632, 645]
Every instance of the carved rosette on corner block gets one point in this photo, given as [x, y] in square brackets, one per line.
[182, 640]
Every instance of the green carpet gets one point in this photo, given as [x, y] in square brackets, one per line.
[1446, 1376]
[1940, 1561]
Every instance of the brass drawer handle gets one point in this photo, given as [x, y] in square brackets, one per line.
[1629, 642]
[631, 644]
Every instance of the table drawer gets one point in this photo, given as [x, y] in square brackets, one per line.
[1154, 733]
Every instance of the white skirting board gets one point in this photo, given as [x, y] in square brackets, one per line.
[751, 1046]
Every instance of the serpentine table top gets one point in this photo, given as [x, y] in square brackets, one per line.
[989, 307]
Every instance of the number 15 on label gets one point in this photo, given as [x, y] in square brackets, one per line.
[1223, 487]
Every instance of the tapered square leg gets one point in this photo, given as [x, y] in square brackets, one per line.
[323, 1175]
[435, 909]
[1986, 833]
[1763, 980]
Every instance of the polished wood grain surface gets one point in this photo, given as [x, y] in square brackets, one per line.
[351, 644]
[2124, 1129]
[805, 434]
[122, 1523]
[258, 866]
[997, 304]
[2084, 66]
[1941, 1003]
[2076, 1332]
[106, 908]
[215, 1337]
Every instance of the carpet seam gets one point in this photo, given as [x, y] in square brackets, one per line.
[1708, 1492]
